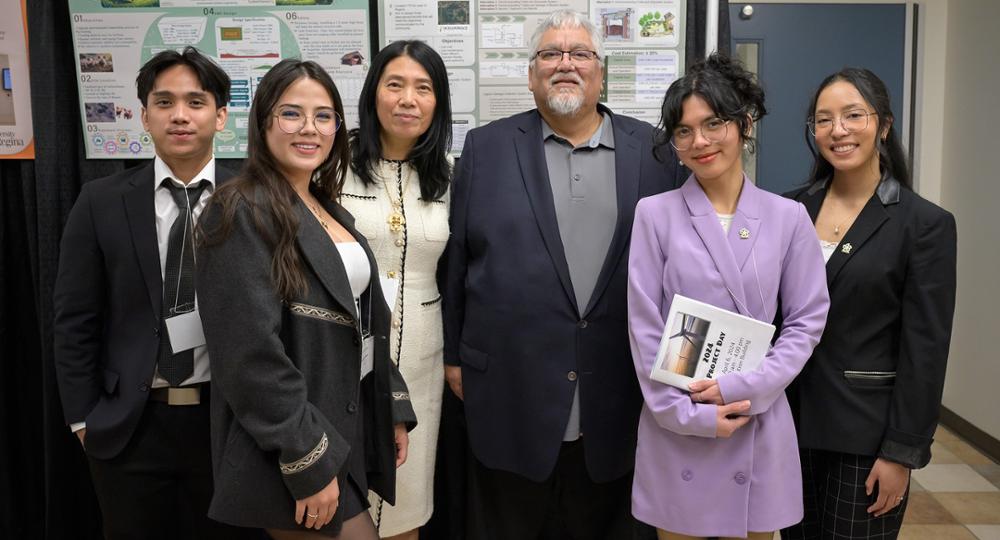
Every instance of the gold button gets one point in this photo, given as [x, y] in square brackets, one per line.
[392, 274]
[395, 323]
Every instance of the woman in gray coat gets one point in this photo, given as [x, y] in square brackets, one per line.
[308, 412]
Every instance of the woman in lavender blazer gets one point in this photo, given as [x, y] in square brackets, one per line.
[721, 460]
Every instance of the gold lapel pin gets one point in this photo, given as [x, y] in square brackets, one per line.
[744, 233]
[846, 248]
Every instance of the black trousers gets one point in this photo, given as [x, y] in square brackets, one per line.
[833, 489]
[567, 505]
[160, 485]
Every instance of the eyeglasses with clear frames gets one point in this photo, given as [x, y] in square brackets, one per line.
[576, 56]
[714, 130]
[852, 121]
[292, 121]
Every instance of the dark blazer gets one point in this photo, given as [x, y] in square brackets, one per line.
[287, 405]
[510, 314]
[107, 303]
[873, 386]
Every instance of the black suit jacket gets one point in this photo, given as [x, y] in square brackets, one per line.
[873, 385]
[288, 412]
[510, 314]
[107, 303]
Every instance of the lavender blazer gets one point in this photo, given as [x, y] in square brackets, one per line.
[686, 480]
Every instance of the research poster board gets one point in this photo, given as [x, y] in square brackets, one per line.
[113, 38]
[16, 135]
[485, 45]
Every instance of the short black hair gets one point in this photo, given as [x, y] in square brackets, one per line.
[430, 153]
[730, 90]
[211, 77]
[891, 157]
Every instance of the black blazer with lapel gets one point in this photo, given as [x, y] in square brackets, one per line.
[873, 385]
[510, 314]
[107, 303]
[288, 409]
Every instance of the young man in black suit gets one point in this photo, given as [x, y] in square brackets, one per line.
[131, 366]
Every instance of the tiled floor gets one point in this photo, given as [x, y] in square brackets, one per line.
[956, 497]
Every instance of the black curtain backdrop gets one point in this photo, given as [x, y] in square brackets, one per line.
[45, 490]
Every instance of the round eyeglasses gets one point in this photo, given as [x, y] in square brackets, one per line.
[852, 121]
[292, 121]
[713, 130]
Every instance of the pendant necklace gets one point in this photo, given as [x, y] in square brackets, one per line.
[396, 219]
[319, 216]
[836, 228]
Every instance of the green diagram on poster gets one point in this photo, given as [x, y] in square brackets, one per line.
[113, 38]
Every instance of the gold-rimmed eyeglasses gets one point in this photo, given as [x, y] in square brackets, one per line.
[292, 121]
[576, 56]
[714, 130]
[852, 121]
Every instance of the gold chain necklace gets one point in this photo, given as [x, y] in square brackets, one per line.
[396, 220]
[315, 210]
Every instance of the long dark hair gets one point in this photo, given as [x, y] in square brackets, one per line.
[891, 158]
[264, 188]
[430, 154]
[728, 88]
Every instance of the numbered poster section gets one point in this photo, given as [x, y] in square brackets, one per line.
[486, 46]
[113, 38]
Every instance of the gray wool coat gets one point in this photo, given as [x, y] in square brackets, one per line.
[286, 397]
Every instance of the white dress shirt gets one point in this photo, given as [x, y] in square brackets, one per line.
[166, 212]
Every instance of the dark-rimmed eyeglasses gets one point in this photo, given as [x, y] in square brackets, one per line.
[576, 56]
[292, 121]
[852, 121]
[713, 130]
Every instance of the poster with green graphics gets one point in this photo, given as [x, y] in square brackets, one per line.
[486, 47]
[113, 38]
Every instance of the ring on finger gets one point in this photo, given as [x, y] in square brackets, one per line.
[311, 516]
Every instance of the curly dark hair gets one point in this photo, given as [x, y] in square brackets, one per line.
[730, 90]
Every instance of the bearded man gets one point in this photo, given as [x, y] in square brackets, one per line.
[534, 298]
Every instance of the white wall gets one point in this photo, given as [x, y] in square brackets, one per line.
[970, 188]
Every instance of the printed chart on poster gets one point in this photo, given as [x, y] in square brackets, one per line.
[16, 136]
[113, 38]
[485, 45]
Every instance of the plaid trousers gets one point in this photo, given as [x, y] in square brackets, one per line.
[833, 489]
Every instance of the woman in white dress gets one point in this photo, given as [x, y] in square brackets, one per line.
[397, 189]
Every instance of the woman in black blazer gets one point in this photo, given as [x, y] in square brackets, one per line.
[308, 412]
[867, 402]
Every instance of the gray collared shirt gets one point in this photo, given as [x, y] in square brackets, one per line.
[586, 203]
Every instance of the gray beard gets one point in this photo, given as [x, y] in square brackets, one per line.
[564, 103]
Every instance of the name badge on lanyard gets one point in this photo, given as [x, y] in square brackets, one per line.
[185, 331]
[367, 355]
[367, 343]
